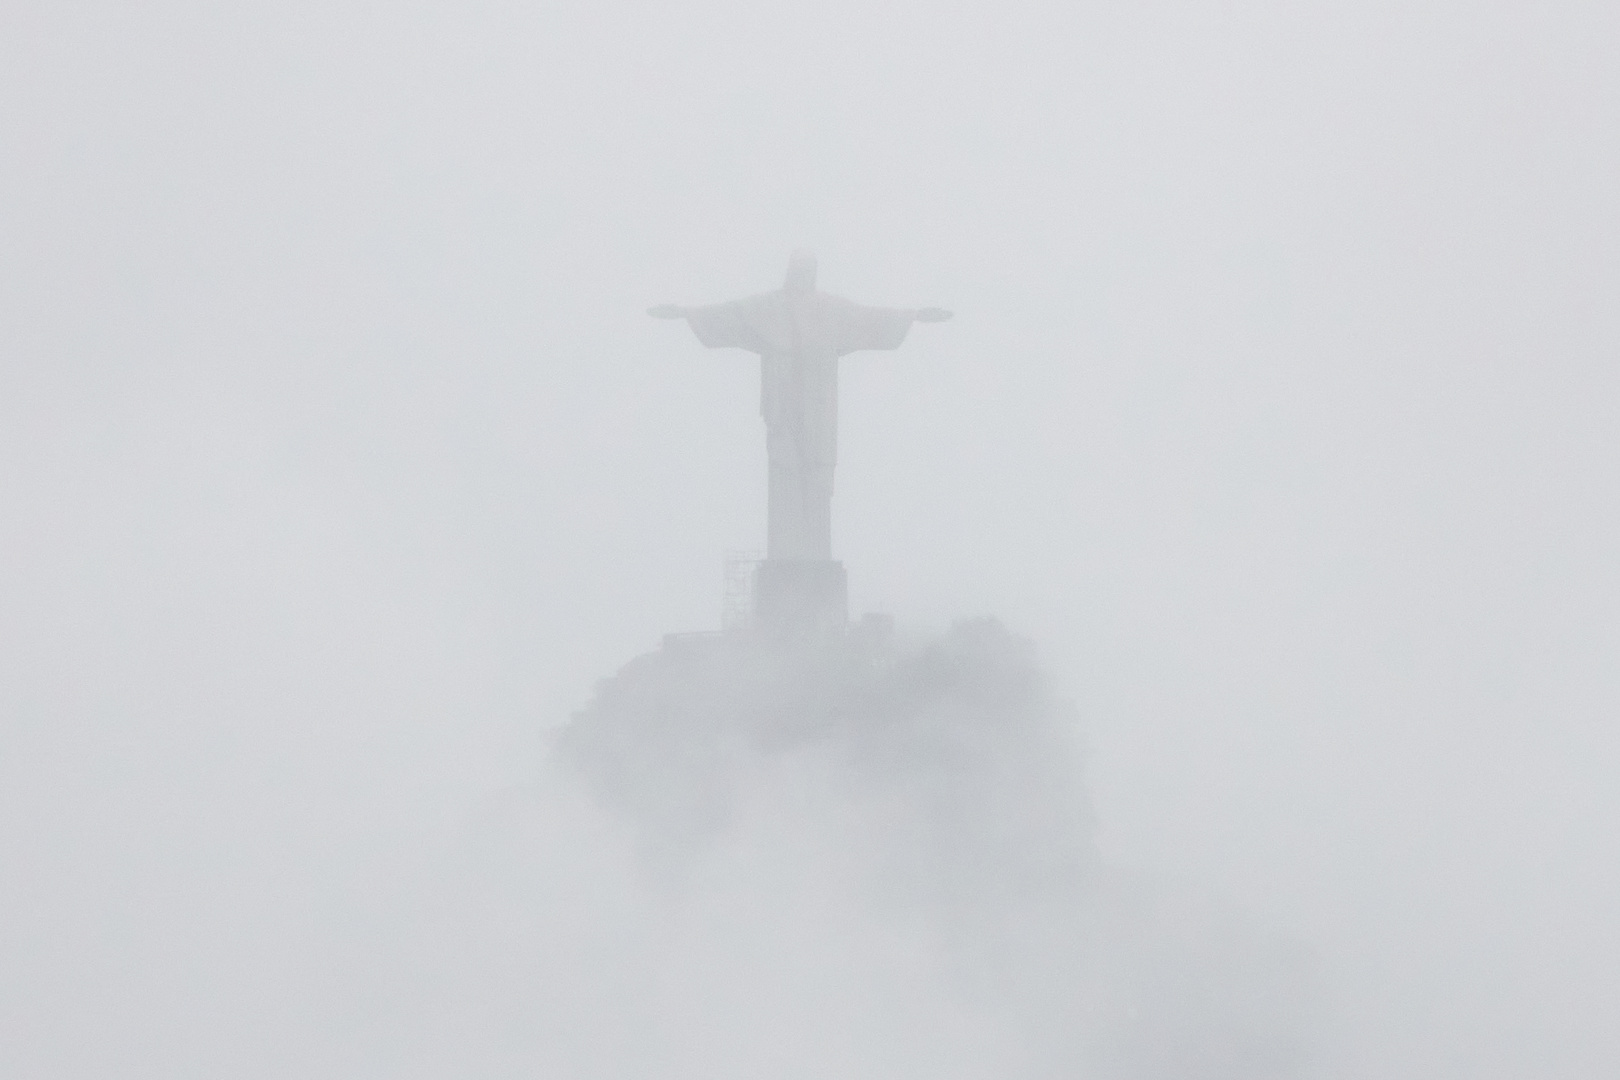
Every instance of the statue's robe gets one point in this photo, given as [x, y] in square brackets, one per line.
[799, 336]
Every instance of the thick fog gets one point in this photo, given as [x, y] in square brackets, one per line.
[339, 462]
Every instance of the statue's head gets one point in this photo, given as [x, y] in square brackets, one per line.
[801, 275]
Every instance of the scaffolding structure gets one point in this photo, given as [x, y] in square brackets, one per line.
[737, 601]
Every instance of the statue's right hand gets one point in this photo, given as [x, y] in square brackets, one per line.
[667, 311]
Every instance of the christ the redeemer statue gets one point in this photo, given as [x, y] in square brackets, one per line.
[799, 334]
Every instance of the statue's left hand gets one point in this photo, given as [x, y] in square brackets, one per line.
[667, 311]
[933, 314]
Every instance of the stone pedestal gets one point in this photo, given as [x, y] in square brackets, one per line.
[800, 598]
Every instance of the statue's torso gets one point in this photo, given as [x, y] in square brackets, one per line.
[799, 337]
[799, 377]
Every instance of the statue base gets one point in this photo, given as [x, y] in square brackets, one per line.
[799, 599]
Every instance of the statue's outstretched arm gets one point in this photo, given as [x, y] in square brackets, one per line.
[722, 326]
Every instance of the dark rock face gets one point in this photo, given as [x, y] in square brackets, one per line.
[936, 789]
[961, 732]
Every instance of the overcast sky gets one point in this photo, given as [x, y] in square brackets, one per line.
[338, 458]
